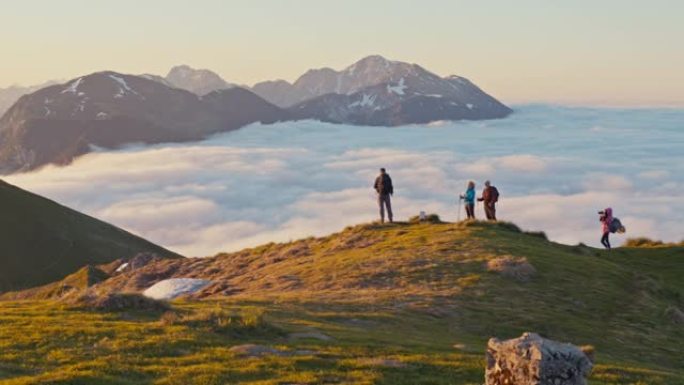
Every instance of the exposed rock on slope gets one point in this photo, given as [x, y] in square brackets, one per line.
[197, 81]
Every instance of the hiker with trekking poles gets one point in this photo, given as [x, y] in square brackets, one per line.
[490, 195]
[609, 224]
[468, 198]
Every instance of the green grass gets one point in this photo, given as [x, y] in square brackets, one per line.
[403, 303]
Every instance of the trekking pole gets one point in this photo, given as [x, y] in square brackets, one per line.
[459, 208]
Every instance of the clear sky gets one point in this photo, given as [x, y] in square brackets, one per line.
[605, 52]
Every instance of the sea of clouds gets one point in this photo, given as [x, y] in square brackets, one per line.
[555, 167]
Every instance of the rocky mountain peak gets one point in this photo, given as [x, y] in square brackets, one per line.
[198, 81]
[370, 71]
[377, 66]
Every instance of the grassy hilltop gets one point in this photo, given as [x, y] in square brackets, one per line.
[375, 304]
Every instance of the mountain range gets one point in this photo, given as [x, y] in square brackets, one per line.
[107, 109]
[379, 92]
[372, 91]
[43, 241]
[57, 123]
[197, 81]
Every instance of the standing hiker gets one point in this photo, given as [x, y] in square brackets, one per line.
[490, 195]
[606, 219]
[384, 188]
[469, 200]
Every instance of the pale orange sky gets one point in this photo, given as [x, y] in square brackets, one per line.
[581, 52]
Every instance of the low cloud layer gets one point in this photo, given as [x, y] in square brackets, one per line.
[555, 167]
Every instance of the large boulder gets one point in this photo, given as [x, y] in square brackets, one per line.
[171, 288]
[533, 360]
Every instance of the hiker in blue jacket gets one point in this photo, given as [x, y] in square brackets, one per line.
[469, 200]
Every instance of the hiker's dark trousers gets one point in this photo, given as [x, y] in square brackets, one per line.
[470, 210]
[605, 241]
[490, 210]
[385, 201]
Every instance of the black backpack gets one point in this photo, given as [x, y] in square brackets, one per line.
[385, 184]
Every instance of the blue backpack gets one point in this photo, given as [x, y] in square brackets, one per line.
[616, 226]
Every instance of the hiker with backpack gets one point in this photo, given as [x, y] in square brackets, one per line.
[469, 200]
[383, 186]
[606, 218]
[609, 224]
[490, 195]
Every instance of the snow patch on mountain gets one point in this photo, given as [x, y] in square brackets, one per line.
[366, 101]
[73, 87]
[122, 267]
[123, 87]
[398, 89]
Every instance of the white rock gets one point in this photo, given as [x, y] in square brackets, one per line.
[122, 267]
[533, 360]
[174, 287]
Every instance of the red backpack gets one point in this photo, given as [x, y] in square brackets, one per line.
[495, 194]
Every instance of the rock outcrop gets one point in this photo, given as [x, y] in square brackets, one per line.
[675, 314]
[197, 81]
[533, 360]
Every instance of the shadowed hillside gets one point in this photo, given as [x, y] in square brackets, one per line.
[43, 241]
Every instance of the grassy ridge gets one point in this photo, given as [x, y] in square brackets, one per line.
[401, 303]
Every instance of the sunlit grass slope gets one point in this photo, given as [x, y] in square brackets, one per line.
[377, 304]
